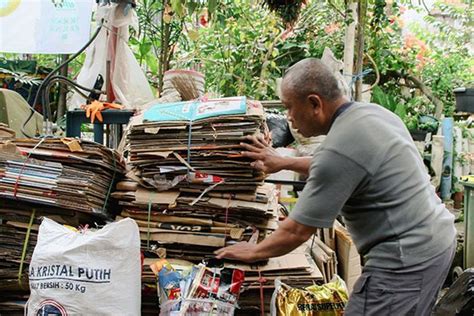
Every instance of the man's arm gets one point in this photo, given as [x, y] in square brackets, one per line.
[287, 237]
[333, 179]
[297, 164]
[269, 160]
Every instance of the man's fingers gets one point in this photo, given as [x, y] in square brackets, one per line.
[255, 141]
[251, 155]
[223, 253]
[218, 251]
[250, 147]
[261, 141]
[258, 165]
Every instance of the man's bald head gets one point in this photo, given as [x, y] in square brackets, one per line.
[311, 76]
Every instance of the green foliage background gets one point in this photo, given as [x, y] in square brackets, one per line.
[243, 48]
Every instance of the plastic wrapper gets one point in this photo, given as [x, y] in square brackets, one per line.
[169, 281]
[328, 299]
[200, 291]
[279, 129]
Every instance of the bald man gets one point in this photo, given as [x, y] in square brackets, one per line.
[368, 170]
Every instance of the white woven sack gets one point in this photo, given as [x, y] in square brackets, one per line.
[88, 273]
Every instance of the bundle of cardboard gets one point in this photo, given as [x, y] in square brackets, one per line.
[195, 144]
[191, 191]
[65, 173]
[170, 220]
[6, 132]
[296, 269]
[63, 179]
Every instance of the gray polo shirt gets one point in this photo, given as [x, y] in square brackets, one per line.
[369, 170]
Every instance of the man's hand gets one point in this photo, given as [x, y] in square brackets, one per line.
[287, 237]
[267, 159]
[243, 251]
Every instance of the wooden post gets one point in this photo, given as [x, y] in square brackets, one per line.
[62, 90]
[362, 12]
[161, 63]
[349, 42]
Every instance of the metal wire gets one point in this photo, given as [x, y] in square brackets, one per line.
[75, 86]
[47, 117]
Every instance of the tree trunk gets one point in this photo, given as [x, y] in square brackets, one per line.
[161, 61]
[362, 13]
[62, 90]
[349, 43]
[164, 48]
[428, 93]
[415, 82]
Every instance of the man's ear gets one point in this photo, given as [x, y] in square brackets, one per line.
[316, 102]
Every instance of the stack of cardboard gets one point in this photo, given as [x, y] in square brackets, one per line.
[6, 132]
[349, 261]
[324, 256]
[296, 269]
[191, 190]
[194, 145]
[170, 221]
[65, 180]
[64, 173]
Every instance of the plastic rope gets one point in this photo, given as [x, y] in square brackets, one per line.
[25, 246]
[357, 77]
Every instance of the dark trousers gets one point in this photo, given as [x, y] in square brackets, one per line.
[407, 291]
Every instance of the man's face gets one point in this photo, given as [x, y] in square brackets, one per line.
[303, 114]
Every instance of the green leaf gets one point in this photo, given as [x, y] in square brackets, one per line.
[192, 6]
[211, 7]
[152, 63]
[177, 7]
[134, 41]
[401, 111]
[145, 48]
[381, 98]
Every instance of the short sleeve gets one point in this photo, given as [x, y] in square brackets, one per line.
[332, 180]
